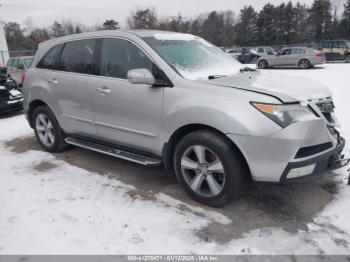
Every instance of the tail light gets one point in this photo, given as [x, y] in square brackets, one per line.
[319, 54]
[23, 76]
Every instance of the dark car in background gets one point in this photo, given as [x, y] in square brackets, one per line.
[244, 55]
[11, 98]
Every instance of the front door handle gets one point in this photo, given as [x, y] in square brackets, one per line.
[103, 90]
[53, 81]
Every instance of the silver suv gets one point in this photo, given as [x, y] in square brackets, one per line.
[162, 98]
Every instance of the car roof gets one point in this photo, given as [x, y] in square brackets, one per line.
[119, 32]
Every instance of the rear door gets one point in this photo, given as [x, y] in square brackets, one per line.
[281, 59]
[296, 55]
[72, 86]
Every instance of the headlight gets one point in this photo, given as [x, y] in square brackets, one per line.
[285, 114]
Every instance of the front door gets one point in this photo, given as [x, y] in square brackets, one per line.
[125, 113]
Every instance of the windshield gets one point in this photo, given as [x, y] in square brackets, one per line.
[28, 62]
[193, 57]
[347, 44]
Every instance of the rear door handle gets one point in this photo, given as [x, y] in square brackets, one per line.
[53, 81]
[103, 90]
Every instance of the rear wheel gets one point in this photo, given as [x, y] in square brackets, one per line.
[47, 130]
[263, 64]
[209, 168]
[304, 64]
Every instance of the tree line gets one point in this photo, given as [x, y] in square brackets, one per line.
[284, 24]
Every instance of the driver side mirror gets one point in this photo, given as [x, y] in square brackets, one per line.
[141, 76]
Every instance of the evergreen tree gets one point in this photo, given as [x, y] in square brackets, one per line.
[229, 28]
[285, 23]
[344, 27]
[266, 25]
[245, 29]
[303, 32]
[213, 28]
[16, 39]
[57, 30]
[321, 19]
[110, 25]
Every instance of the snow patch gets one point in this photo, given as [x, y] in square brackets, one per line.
[174, 37]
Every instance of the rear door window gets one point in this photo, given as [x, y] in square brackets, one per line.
[78, 57]
[50, 60]
[298, 51]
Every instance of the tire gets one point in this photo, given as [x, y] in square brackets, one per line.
[347, 58]
[304, 64]
[263, 64]
[44, 121]
[227, 177]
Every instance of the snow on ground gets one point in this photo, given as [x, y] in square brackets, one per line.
[69, 210]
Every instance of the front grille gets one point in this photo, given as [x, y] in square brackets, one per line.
[312, 150]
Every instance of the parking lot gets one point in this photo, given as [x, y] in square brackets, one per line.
[85, 202]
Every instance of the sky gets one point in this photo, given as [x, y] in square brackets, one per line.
[93, 12]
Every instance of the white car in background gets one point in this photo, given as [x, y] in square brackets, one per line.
[302, 57]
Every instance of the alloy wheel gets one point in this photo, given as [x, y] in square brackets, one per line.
[304, 64]
[203, 171]
[45, 130]
[262, 64]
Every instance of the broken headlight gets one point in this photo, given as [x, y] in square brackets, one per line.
[285, 114]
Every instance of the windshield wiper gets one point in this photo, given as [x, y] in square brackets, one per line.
[211, 77]
[246, 69]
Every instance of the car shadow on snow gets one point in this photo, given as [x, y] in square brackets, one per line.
[10, 114]
[287, 207]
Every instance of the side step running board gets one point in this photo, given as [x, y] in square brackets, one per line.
[113, 151]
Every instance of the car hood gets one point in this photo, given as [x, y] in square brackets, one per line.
[284, 87]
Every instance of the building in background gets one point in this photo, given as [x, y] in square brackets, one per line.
[4, 52]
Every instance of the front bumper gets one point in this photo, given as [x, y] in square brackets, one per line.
[8, 105]
[318, 165]
[301, 144]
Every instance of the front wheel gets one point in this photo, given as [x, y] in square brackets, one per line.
[263, 64]
[47, 130]
[304, 64]
[209, 168]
